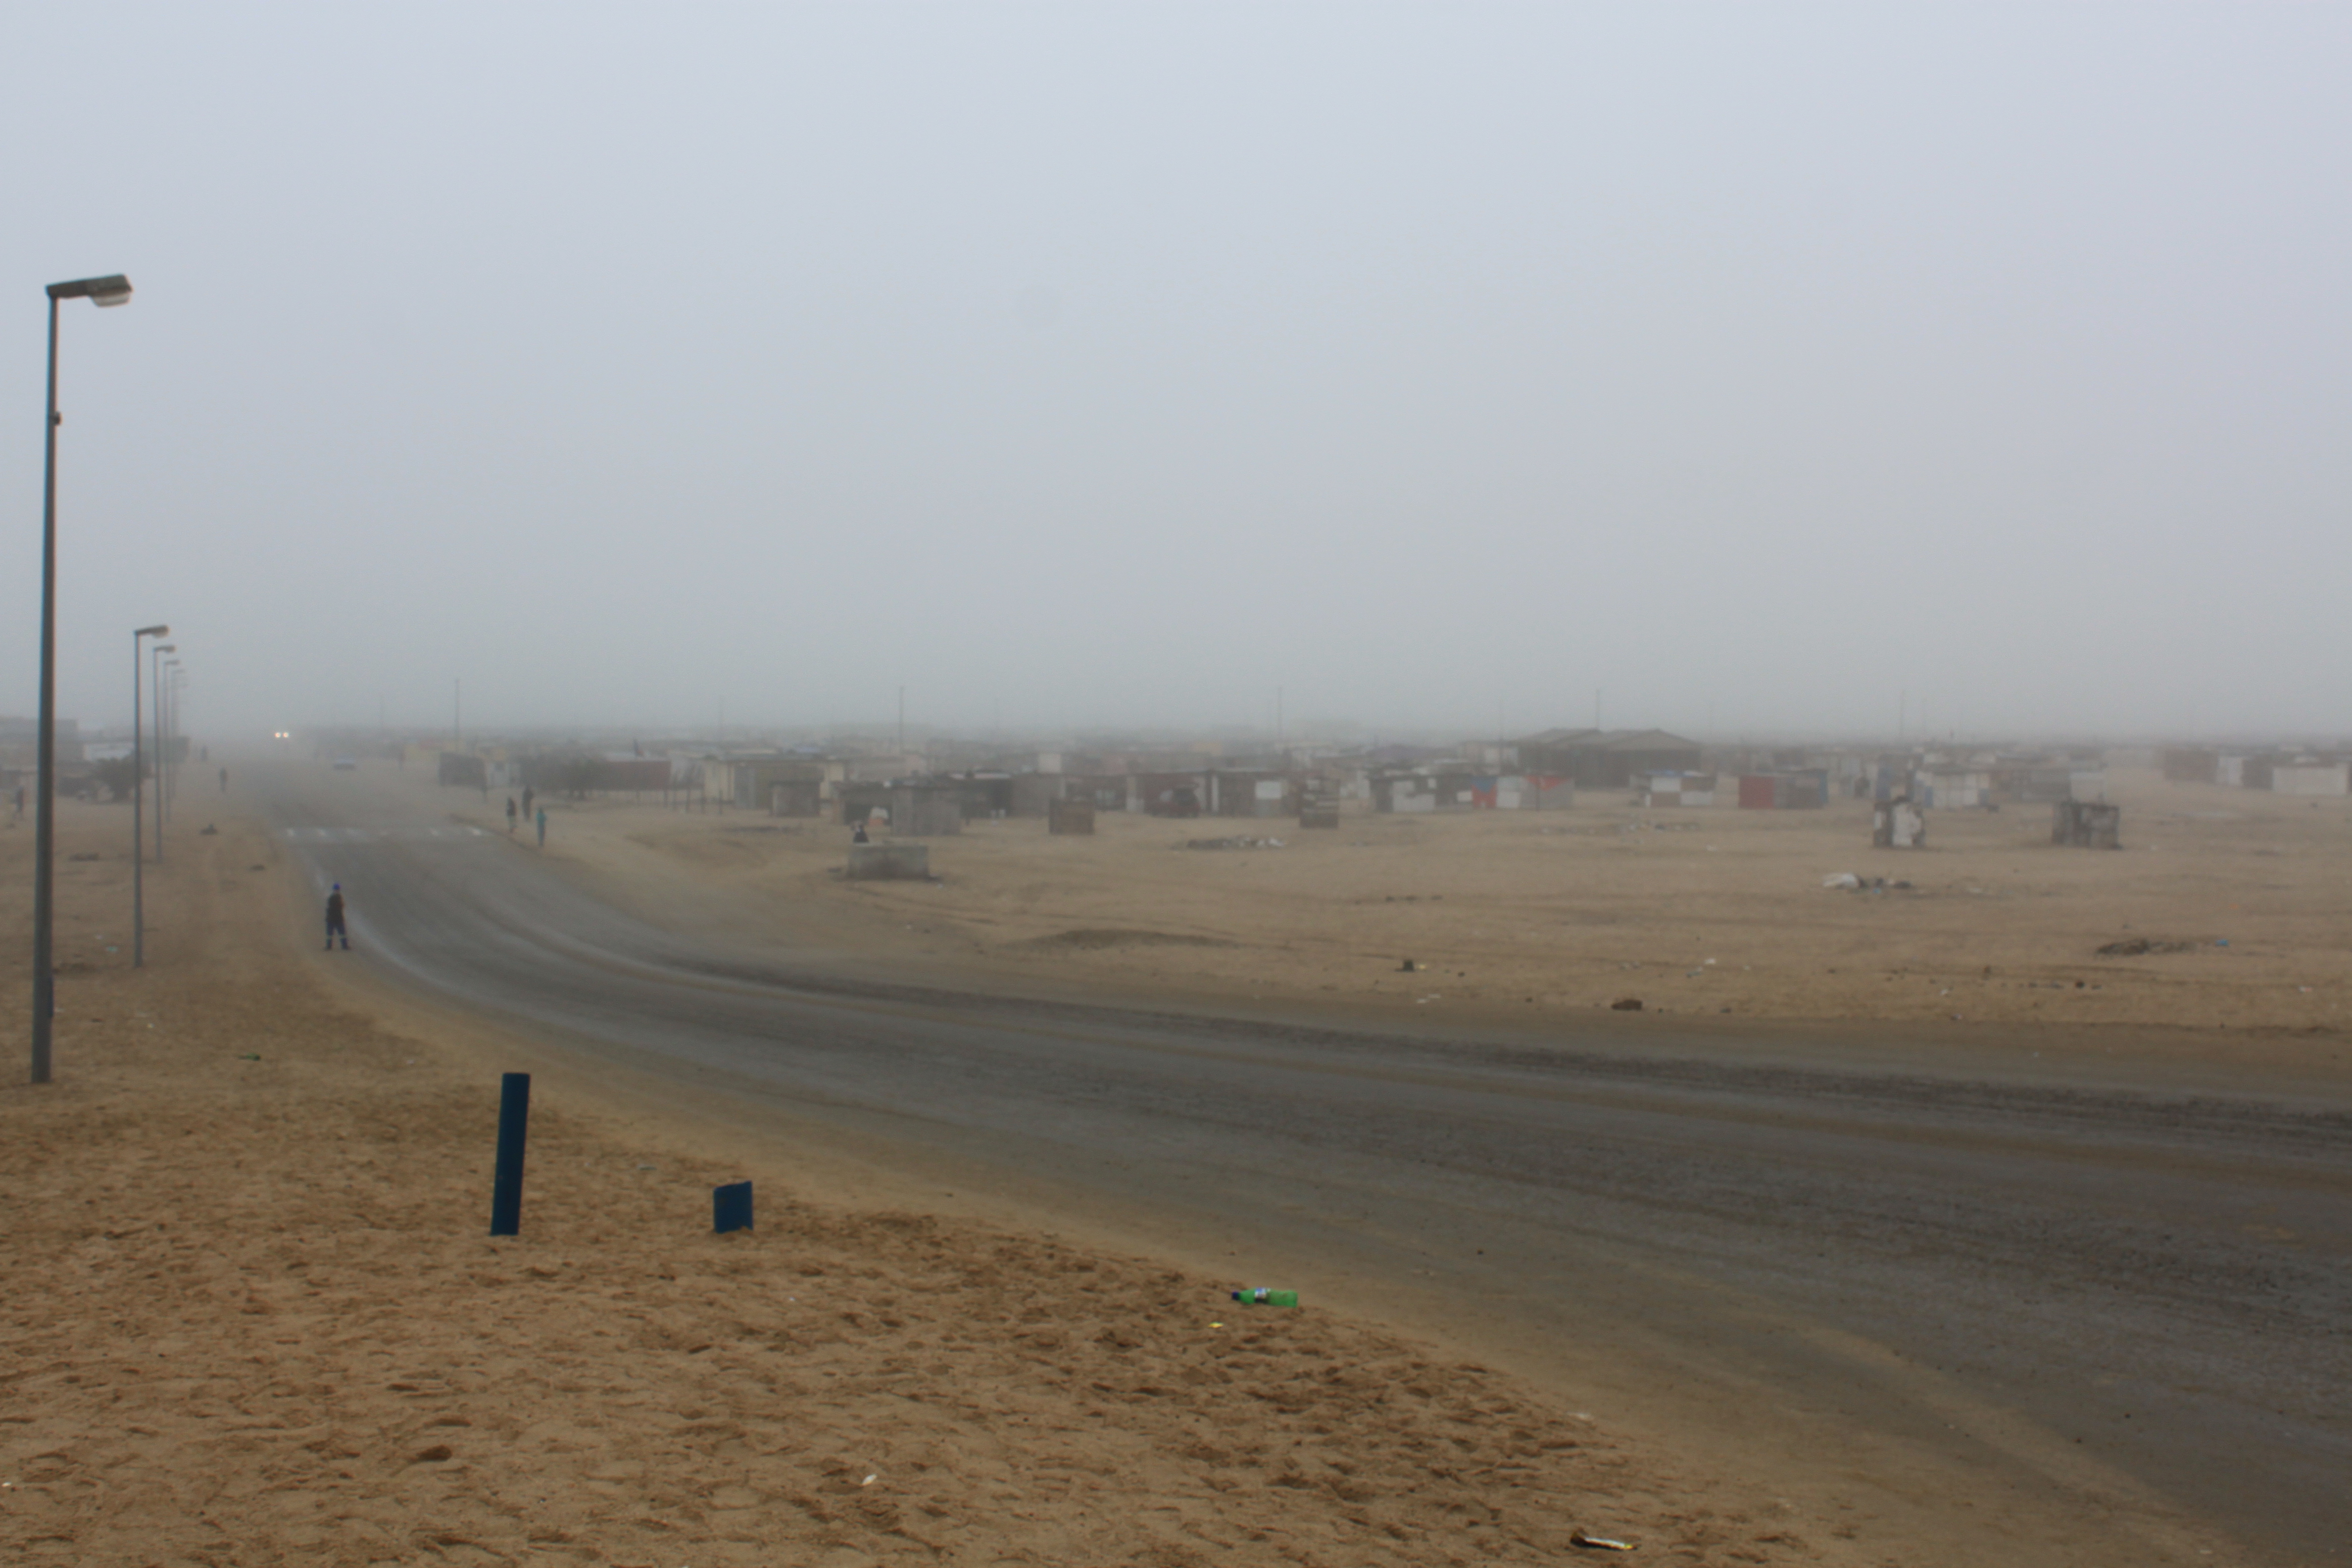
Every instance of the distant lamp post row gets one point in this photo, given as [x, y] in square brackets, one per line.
[113, 290]
[138, 804]
[162, 672]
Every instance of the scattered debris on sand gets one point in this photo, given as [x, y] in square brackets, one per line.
[1095, 937]
[2134, 946]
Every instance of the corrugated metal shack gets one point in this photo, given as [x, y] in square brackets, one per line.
[1954, 789]
[2308, 778]
[913, 810]
[1521, 792]
[1804, 790]
[750, 783]
[2191, 764]
[1425, 789]
[796, 798]
[1251, 792]
[1676, 787]
[983, 793]
[2038, 785]
[1167, 794]
[1034, 795]
[2086, 825]
[1898, 824]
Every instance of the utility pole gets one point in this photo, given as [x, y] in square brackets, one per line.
[902, 726]
[458, 711]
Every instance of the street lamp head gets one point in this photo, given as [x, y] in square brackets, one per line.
[165, 647]
[111, 290]
[152, 632]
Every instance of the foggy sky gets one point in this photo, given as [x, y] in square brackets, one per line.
[1076, 365]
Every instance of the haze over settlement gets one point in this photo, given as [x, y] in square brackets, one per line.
[1359, 371]
[1269, 785]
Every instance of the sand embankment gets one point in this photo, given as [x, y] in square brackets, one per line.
[254, 1318]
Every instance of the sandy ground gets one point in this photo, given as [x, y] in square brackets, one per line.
[255, 1316]
[1703, 913]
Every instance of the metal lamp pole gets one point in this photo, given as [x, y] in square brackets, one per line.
[113, 290]
[167, 771]
[138, 806]
[155, 674]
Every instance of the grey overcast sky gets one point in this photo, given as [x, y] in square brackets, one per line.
[1103, 365]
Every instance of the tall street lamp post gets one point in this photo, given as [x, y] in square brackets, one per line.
[167, 768]
[179, 735]
[114, 290]
[155, 673]
[138, 808]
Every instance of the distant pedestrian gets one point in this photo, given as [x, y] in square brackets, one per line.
[859, 837]
[335, 920]
[526, 800]
[543, 827]
[224, 781]
[511, 817]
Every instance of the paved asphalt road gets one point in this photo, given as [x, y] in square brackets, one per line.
[2160, 1284]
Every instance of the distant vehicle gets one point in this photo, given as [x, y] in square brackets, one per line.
[347, 764]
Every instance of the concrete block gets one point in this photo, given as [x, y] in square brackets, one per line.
[889, 862]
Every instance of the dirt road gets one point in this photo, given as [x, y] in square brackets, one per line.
[2025, 1319]
[253, 1320]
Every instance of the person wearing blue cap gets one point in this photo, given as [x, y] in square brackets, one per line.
[335, 920]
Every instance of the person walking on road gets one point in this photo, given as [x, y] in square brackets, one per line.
[526, 800]
[335, 920]
[511, 817]
[543, 827]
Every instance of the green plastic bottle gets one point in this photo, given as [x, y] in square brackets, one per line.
[1261, 1297]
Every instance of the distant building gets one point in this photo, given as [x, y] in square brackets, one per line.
[1804, 790]
[2086, 825]
[1953, 788]
[1433, 788]
[20, 742]
[1606, 758]
[1677, 788]
[2309, 778]
[2191, 764]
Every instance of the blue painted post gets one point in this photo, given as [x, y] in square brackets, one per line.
[514, 1122]
[730, 1207]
